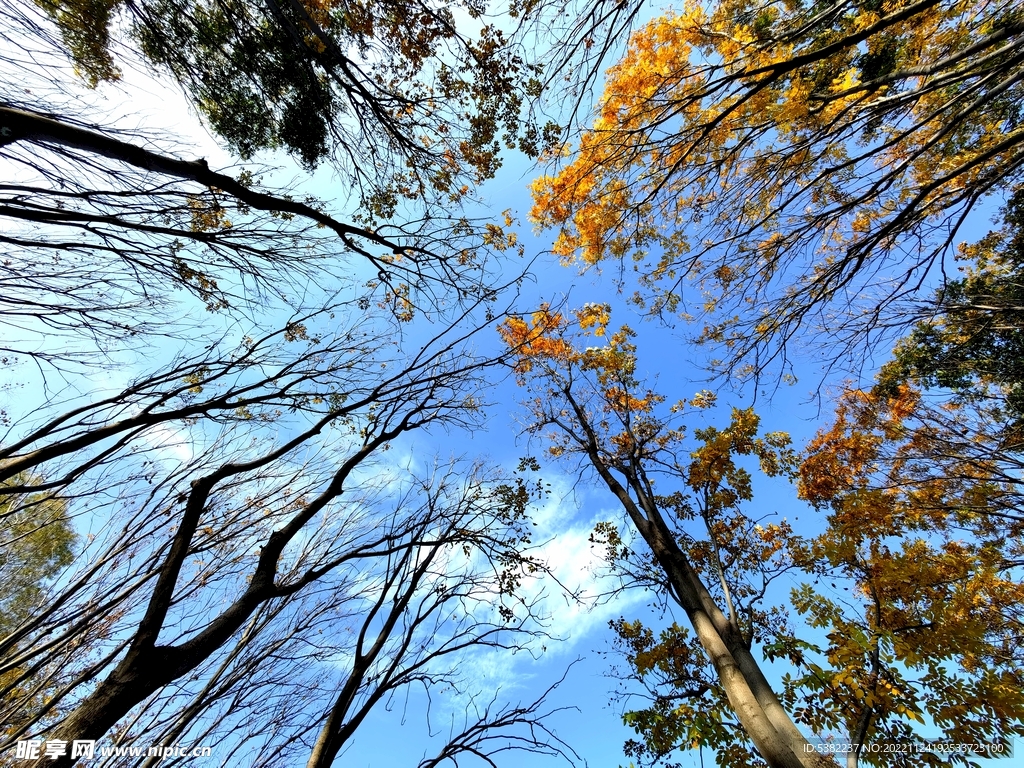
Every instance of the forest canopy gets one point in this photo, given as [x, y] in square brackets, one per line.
[229, 507]
[772, 167]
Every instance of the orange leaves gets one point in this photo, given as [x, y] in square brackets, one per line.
[753, 137]
[597, 229]
[619, 400]
[596, 316]
[920, 601]
[714, 465]
[547, 335]
[843, 456]
[536, 338]
[915, 522]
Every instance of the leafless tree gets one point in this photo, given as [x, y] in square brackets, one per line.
[273, 530]
[102, 233]
[223, 365]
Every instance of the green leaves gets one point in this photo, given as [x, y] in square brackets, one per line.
[973, 344]
[36, 542]
[85, 27]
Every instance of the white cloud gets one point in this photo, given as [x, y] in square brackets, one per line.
[584, 601]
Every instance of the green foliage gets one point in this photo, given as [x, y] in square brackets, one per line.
[256, 86]
[392, 91]
[36, 542]
[85, 27]
[974, 343]
[687, 707]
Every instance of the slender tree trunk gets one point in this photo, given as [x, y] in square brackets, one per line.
[758, 709]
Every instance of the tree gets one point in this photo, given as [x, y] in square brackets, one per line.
[927, 524]
[395, 92]
[250, 557]
[930, 616]
[119, 220]
[972, 342]
[272, 529]
[413, 115]
[37, 542]
[608, 424]
[792, 159]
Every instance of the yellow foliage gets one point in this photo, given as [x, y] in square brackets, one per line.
[207, 216]
[909, 522]
[768, 132]
[536, 338]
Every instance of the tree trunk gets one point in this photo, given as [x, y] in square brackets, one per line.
[757, 707]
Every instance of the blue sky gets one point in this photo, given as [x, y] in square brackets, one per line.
[596, 730]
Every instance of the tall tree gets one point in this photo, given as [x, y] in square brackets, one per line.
[601, 416]
[925, 541]
[792, 158]
[234, 499]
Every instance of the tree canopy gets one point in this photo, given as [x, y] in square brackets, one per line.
[771, 171]
[222, 367]
[397, 94]
[38, 542]
[212, 477]
[804, 164]
[920, 528]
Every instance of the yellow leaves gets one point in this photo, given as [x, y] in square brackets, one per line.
[536, 338]
[620, 401]
[195, 380]
[714, 471]
[207, 216]
[548, 355]
[849, 80]
[657, 51]
[398, 301]
[499, 239]
[615, 362]
[596, 316]
[704, 399]
[862, 222]
[900, 408]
